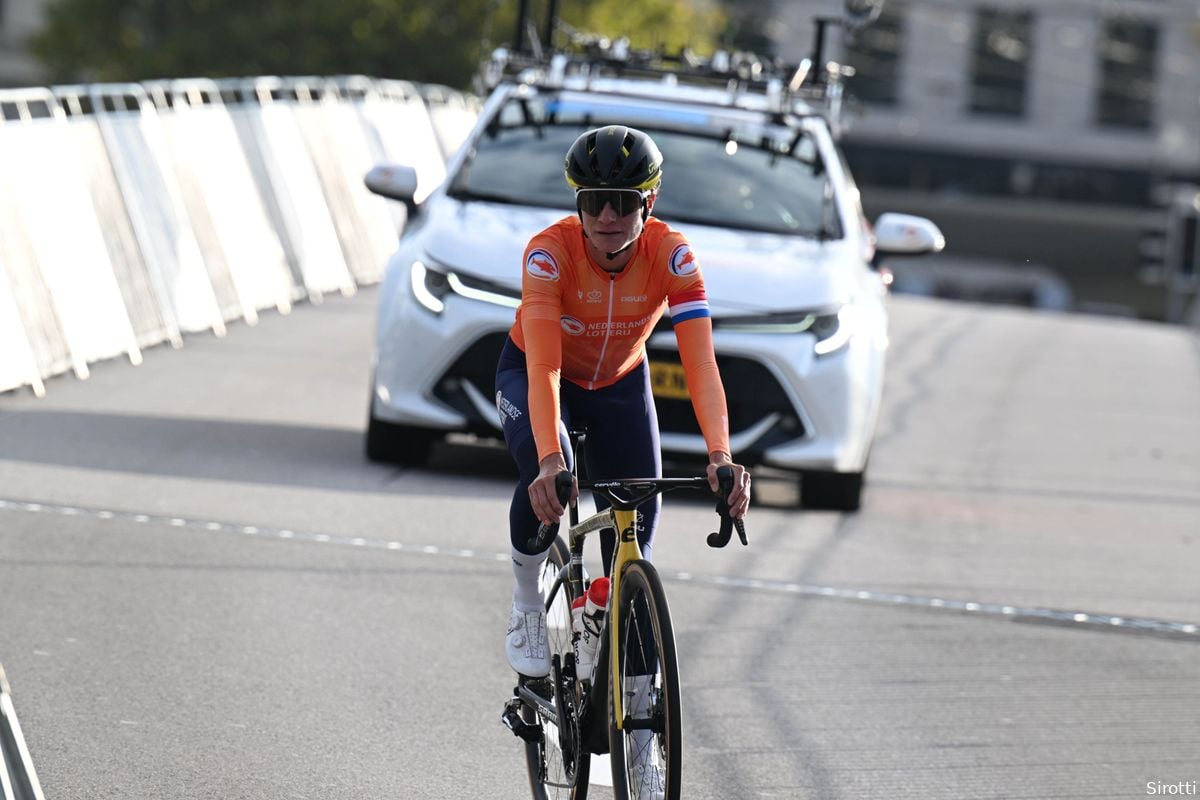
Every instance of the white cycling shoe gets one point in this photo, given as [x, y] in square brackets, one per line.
[526, 646]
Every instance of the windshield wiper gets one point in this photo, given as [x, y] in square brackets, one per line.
[712, 223]
[459, 193]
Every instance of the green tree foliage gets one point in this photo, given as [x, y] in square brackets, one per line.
[650, 24]
[424, 40]
[113, 40]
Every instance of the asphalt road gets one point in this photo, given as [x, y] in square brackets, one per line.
[206, 592]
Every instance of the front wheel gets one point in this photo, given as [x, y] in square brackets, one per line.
[555, 772]
[646, 750]
[832, 491]
[391, 443]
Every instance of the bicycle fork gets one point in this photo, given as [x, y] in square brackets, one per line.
[628, 549]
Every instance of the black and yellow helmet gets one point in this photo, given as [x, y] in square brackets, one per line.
[614, 157]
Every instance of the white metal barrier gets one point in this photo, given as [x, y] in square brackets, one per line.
[399, 129]
[18, 367]
[43, 335]
[453, 114]
[264, 110]
[40, 162]
[338, 146]
[152, 319]
[137, 152]
[205, 148]
[132, 214]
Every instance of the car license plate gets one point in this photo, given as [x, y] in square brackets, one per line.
[668, 381]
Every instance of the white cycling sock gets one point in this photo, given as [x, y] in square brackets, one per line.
[527, 594]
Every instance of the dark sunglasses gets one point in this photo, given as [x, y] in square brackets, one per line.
[623, 201]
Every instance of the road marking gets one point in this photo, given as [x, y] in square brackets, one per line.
[1078, 619]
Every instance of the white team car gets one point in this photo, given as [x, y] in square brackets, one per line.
[761, 191]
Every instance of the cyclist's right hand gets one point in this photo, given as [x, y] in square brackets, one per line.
[542, 494]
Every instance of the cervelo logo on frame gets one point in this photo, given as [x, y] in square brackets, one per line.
[682, 261]
[541, 264]
[572, 325]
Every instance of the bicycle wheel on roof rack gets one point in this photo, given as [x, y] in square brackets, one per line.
[558, 766]
[646, 751]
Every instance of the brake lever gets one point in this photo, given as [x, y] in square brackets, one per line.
[563, 482]
[728, 522]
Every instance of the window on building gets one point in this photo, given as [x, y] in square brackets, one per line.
[1000, 62]
[874, 52]
[1128, 54]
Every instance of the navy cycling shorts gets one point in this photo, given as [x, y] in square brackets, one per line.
[622, 440]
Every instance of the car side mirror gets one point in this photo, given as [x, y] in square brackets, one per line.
[906, 235]
[395, 182]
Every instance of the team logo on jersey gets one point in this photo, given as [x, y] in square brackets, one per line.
[682, 261]
[572, 326]
[541, 264]
[594, 296]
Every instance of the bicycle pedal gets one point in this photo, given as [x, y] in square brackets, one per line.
[510, 717]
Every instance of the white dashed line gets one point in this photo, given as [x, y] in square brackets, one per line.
[1175, 629]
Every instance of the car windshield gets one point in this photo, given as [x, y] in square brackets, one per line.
[775, 186]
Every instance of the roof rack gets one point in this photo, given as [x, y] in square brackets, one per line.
[591, 57]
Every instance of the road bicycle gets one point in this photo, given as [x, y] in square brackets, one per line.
[629, 706]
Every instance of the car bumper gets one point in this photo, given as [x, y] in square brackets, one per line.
[437, 371]
[416, 351]
[834, 402]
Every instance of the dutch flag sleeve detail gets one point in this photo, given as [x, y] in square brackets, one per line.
[687, 305]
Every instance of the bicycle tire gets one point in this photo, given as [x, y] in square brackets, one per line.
[558, 622]
[647, 641]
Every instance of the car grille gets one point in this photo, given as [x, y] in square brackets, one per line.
[476, 365]
[751, 393]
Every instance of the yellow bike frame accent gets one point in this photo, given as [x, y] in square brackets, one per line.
[627, 550]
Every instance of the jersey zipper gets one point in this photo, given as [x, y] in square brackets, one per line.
[612, 283]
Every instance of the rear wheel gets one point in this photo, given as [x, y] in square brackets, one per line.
[835, 491]
[398, 444]
[646, 751]
[565, 775]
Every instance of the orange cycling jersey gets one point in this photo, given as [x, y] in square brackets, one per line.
[590, 326]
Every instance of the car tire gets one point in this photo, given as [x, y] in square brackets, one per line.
[390, 443]
[833, 491]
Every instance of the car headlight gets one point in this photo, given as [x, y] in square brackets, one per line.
[431, 284]
[833, 329]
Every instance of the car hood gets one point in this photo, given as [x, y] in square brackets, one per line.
[744, 271]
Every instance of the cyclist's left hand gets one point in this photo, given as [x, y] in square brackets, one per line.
[739, 498]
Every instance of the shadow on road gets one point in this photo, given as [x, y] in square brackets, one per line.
[263, 453]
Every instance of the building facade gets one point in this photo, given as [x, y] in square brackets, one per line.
[1034, 131]
[1031, 94]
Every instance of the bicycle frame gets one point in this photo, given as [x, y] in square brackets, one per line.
[627, 549]
[547, 698]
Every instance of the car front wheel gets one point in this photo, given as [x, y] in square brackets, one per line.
[398, 444]
[834, 491]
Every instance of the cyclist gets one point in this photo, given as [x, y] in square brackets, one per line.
[593, 287]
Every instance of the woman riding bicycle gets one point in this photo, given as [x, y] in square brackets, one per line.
[593, 288]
